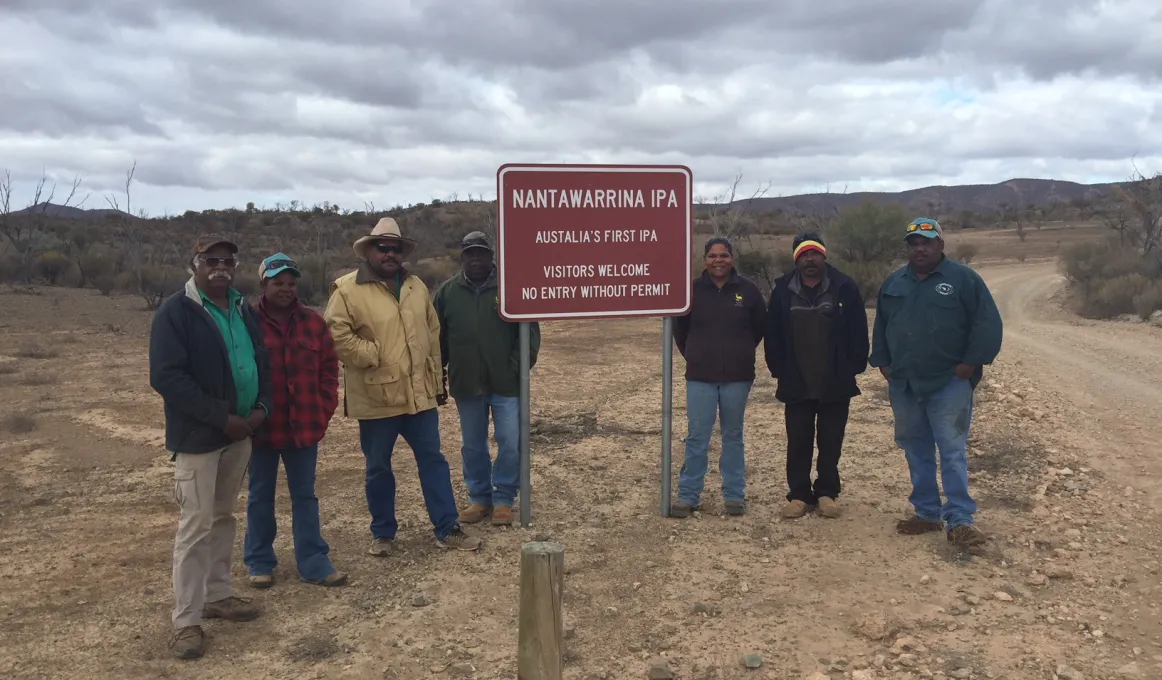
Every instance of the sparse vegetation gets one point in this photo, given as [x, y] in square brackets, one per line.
[965, 252]
[37, 352]
[1122, 275]
[866, 243]
[39, 379]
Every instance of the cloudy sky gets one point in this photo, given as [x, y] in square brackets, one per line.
[221, 102]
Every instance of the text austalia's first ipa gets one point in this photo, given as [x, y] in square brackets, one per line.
[593, 241]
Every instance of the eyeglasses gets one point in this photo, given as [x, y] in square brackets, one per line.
[922, 226]
[389, 248]
[230, 262]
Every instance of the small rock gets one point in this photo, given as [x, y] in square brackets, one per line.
[462, 668]
[1066, 673]
[1038, 580]
[1131, 670]
[962, 673]
[862, 675]
[420, 600]
[1059, 573]
[925, 579]
[753, 660]
[660, 670]
[818, 676]
[972, 600]
[1002, 596]
[873, 627]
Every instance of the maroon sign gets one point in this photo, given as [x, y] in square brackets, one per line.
[593, 241]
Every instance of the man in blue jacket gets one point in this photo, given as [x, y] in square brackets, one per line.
[816, 345]
[936, 327]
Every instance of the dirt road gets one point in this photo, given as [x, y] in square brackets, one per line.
[1067, 588]
[1111, 373]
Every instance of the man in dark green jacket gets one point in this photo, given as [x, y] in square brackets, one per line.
[936, 327]
[481, 355]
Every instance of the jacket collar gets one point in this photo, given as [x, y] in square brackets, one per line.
[490, 282]
[732, 280]
[195, 295]
[295, 311]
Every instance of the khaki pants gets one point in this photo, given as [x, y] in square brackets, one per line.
[206, 487]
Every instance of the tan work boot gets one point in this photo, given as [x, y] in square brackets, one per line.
[966, 536]
[231, 608]
[475, 513]
[828, 507]
[458, 540]
[262, 581]
[914, 526]
[502, 515]
[380, 547]
[188, 643]
[794, 510]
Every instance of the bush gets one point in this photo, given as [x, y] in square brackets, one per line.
[51, 266]
[965, 252]
[1148, 301]
[868, 233]
[1108, 280]
[869, 277]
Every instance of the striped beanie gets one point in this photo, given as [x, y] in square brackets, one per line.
[808, 241]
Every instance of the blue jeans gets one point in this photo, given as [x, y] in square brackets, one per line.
[704, 403]
[490, 484]
[422, 433]
[311, 551]
[940, 421]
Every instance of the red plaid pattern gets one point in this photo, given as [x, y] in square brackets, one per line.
[304, 375]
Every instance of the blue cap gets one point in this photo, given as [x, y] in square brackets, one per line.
[277, 264]
[923, 226]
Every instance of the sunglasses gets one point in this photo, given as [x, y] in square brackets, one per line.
[230, 262]
[278, 264]
[389, 248]
[922, 226]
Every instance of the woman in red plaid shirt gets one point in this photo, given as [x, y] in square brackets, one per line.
[305, 381]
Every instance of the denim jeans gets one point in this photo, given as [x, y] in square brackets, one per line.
[940, 421]
[488, 483]
[704, 403]
[311, 551]
[422, 433]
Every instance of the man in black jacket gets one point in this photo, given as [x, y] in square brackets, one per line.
[718, 339]
[816, 344]
[208, 362]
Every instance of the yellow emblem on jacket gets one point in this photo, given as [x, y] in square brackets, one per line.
[738, 297]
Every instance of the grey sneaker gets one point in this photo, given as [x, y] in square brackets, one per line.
[458, 540]
[231, 608]
[735, 507]
[681, 510]
[380, 547]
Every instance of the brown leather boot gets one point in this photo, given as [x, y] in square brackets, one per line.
[502, 515]
[475, 513]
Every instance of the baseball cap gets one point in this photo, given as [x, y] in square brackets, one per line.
[925, 227]
[476, 239]
[208, 241]
[277, 264]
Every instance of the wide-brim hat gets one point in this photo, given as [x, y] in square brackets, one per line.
[385, 229]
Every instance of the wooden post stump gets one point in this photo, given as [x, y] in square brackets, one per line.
[542, 623]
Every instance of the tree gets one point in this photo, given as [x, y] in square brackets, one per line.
[1138, 210]
[866, 241]
[22, 230]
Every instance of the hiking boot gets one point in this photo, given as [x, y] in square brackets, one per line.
[188, 643]
[502, 515]
[333, 580]
[681, 510]
[262, 581]
[380, 547]
[475, 513]
[828, 507]
[966, 536]
[458, 540]
[735, 508]
[794, 510]
[231, 608]
[914, 526]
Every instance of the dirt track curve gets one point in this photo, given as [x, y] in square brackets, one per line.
[1110, 372]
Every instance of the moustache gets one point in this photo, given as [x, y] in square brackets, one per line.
[219, 274]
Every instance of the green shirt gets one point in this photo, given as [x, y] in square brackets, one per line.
[239, 347]
[924, 328]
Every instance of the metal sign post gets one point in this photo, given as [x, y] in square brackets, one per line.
[667, 410]
[526, 484]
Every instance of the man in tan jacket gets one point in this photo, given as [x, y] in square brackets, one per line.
[387, 336]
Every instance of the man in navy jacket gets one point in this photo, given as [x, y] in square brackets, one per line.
[816, 344]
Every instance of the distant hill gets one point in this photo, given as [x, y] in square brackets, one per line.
[66, 212]
[977, 198]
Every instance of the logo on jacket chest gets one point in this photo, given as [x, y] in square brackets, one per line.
[738, 299]
[945, 288]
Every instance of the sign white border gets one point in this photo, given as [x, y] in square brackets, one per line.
[628, 313]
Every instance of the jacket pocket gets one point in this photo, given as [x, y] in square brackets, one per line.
[383, 384]
[307, 351]
[431, 377]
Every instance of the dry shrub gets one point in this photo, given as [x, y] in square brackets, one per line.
[51, 266]
[1108, 280]
[965, 252]
[435, 271]
[1148, 301]
[19, 423]
[39, 379]
[38, 352]
[869, 276]
[9, 368]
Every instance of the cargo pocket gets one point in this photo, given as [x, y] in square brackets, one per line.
[383, 383]
[431, 377]
[185, 489]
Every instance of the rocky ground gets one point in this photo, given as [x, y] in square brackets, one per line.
[1068, 587]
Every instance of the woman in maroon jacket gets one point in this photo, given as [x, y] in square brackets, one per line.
[305, 387]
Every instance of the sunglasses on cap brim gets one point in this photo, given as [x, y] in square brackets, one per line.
[921, 226]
